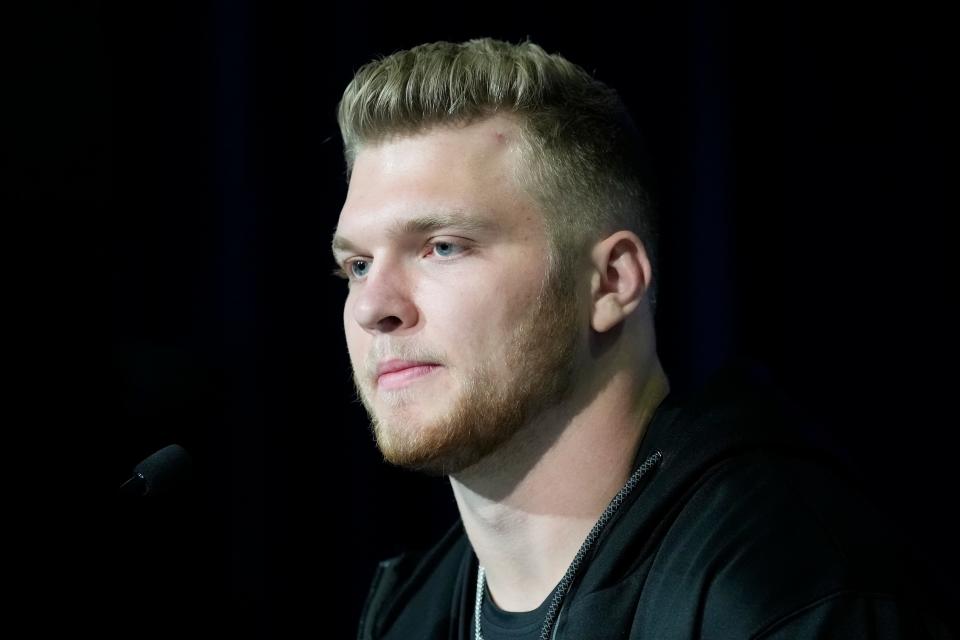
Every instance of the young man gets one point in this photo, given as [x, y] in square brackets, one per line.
[500, 252]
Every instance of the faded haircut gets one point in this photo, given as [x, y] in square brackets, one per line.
[582, 156]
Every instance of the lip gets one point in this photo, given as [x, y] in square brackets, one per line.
[393, 374]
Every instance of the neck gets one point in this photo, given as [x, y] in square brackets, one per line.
[528, 507]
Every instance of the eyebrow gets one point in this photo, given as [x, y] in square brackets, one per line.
[422, 224]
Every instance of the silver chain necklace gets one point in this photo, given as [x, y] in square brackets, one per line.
[587, 545]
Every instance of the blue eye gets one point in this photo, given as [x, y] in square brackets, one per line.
[445, 249]
[358, 268]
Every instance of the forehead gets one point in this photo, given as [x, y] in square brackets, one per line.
[466, 169]
[469, 151]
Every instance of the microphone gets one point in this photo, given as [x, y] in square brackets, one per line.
[160, 472]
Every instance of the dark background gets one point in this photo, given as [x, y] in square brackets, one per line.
[189, 153]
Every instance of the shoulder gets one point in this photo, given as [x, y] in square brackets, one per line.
[412, 595]
[783, 541]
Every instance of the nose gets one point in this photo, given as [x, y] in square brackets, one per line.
[383, 303]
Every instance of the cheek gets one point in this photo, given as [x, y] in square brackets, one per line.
[347, 314]
[483, 317]
[353, 334]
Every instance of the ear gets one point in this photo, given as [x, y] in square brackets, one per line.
[620, 277]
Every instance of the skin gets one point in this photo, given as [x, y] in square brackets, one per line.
[537, 384]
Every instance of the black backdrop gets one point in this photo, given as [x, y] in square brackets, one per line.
[803, 184]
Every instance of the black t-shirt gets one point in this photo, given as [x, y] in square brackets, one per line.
[497, 624]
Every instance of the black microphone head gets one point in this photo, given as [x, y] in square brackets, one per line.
[165, 470]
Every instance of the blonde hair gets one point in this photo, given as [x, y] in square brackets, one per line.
[582, 156]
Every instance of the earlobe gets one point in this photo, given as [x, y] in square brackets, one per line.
[606, 314]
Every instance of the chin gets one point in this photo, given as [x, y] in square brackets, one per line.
[434, 447]
[434, 463]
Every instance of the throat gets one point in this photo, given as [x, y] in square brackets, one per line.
[491, 621]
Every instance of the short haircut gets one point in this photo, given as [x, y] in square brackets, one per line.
[582, 156]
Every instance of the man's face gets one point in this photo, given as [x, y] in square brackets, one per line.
[449, 285]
